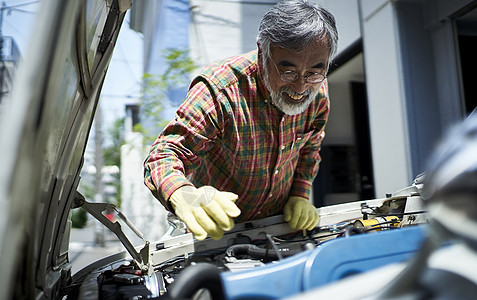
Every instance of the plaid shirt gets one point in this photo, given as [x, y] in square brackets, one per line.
[227, 134]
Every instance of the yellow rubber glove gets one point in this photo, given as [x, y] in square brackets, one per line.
[205, 211]
[300, 213]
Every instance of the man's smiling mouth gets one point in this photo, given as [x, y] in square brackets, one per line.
[295, 97]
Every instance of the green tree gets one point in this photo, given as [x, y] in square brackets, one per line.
[79, 216]
[179, 67]
[112, 154]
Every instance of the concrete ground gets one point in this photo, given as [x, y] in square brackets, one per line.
[86, 248]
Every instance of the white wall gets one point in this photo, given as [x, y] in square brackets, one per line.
[138, 204]
[347, 20]
[387, 111]
[221, 29]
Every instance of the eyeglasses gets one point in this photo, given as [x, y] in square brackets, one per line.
[290, 76]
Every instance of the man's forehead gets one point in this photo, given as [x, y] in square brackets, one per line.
[319, 45]
[313, 54]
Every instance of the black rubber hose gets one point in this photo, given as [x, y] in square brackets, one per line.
[351, 230]
[194, 278]
[257, 252]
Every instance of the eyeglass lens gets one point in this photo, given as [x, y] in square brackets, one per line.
[290, 76]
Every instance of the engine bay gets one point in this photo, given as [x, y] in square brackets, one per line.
[266, 251]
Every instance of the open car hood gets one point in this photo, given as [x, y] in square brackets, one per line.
[43, 139]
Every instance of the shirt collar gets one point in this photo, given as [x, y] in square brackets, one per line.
[262, 87]
[260, 81]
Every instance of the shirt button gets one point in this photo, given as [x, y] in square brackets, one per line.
[276, 172]
[266, 100]
[283, 147]
[270, 196]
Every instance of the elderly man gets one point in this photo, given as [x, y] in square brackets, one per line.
[245, 143]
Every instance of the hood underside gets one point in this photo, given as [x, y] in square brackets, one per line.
[44, 136]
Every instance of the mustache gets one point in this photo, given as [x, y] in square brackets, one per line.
[285, 89]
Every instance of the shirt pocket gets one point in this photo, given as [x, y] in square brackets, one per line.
[301, 139]
[296, 144]
[251, 155]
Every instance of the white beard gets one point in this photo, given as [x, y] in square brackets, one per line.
[282, 102]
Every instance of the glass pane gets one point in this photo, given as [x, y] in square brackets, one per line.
[95, 18]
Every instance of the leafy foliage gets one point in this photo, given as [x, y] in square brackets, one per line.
[156, 87]
[79, 218]
[112, 154]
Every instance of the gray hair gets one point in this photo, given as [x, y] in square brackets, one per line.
[294, 24]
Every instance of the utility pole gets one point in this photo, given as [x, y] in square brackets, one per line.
[99, 162]
[9, 9]
[2, 58]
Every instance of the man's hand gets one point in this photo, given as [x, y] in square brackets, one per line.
[205, 211]
[300, 213]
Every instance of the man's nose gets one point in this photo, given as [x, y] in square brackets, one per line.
[300, 85]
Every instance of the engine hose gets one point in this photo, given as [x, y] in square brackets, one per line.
[194, 278]
[351, 230]
[257, 252]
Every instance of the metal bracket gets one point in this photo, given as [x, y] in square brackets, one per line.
[141, 258]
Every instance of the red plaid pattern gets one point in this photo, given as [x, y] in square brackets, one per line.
[227, 134]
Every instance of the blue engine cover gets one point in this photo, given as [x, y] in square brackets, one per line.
[331, 261]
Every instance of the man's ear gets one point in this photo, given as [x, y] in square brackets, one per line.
[259, 54]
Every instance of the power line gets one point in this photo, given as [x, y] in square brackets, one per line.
[244, 2]
[21, 4]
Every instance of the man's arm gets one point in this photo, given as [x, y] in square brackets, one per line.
[177, 153]
[298, 211]
[183, 144]
[309, 160]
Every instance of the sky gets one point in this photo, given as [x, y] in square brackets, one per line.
[18, 19]
[123, 79]
[122, 83]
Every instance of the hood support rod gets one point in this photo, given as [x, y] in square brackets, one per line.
[140, 258]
